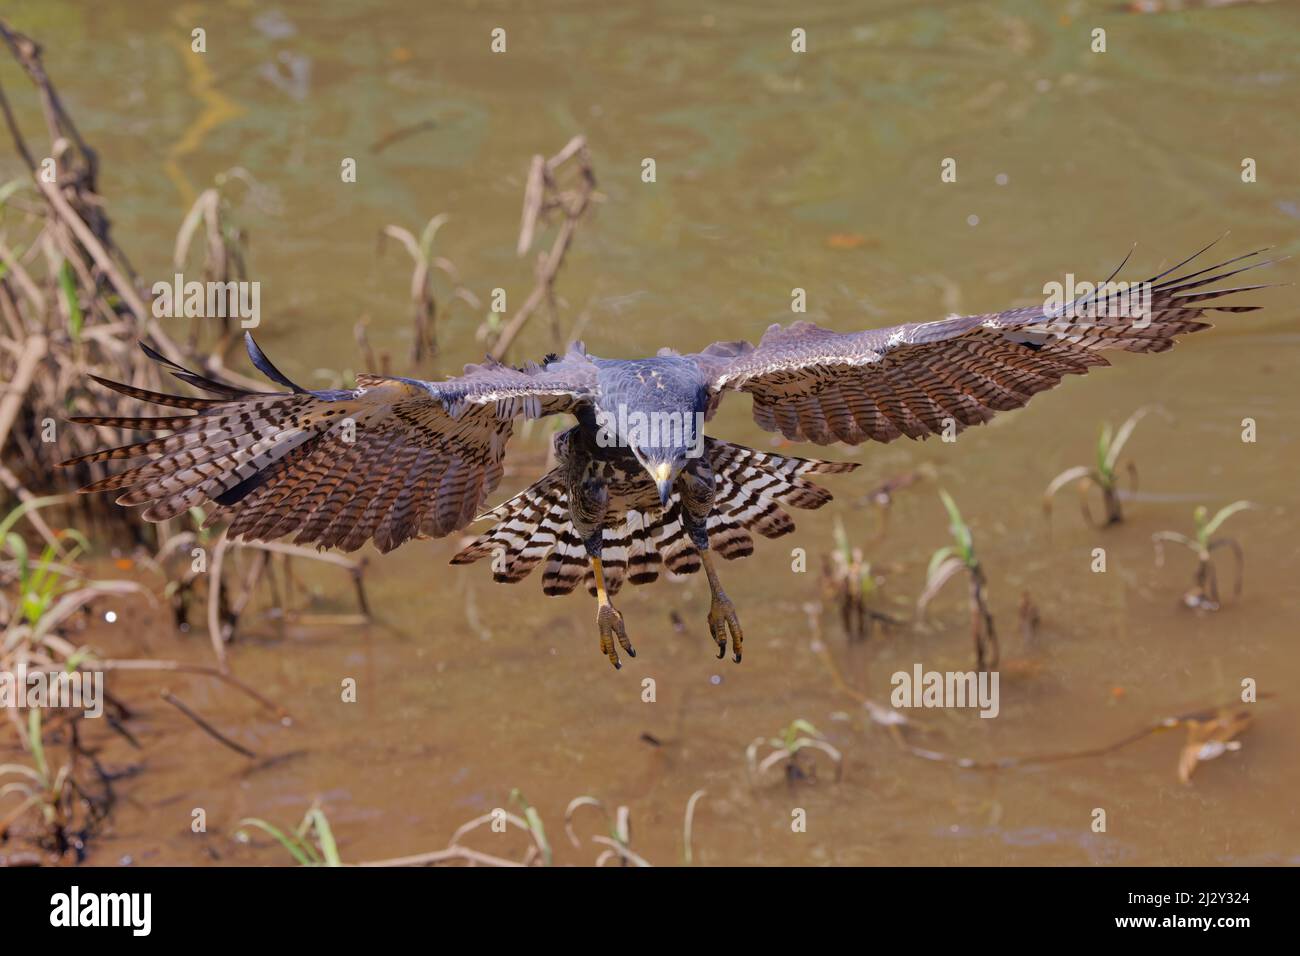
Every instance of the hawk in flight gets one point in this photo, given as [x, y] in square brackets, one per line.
[637, 485]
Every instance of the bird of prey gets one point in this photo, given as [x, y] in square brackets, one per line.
[637, 485]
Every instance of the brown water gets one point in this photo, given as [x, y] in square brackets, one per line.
[766, 161]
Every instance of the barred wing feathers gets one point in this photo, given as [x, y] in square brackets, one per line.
[388, 460]
[814, 384]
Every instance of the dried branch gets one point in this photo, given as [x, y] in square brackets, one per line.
[542, 194]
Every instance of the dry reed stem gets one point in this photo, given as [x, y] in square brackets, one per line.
[14, 393]
[542, 194]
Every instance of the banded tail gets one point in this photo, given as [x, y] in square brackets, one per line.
[753, 489]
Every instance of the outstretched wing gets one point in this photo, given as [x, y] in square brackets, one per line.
[389, 459]
[813, 384]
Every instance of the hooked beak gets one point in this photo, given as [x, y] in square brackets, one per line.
[663, 476]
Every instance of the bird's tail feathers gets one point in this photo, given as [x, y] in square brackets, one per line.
[753, 489]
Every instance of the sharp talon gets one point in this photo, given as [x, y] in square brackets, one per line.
[610, 622]
[718, 630]
[723, 621]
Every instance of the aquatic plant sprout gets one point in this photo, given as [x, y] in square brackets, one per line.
[1204, 593]
[949, 561]
[794, 739]
[1104, 475]
[298, 842]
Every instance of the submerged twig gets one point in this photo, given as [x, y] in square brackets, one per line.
[896, 724]
[206, 727]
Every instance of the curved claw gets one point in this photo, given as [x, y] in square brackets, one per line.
[723, 620]
[610, 622]
[717, 629]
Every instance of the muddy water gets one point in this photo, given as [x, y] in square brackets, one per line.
[774, 171]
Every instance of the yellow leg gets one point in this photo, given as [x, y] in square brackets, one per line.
[722, 614]
[609, 620]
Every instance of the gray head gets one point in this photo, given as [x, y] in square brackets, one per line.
[654, 408]
[663, 464]
[662, 441]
